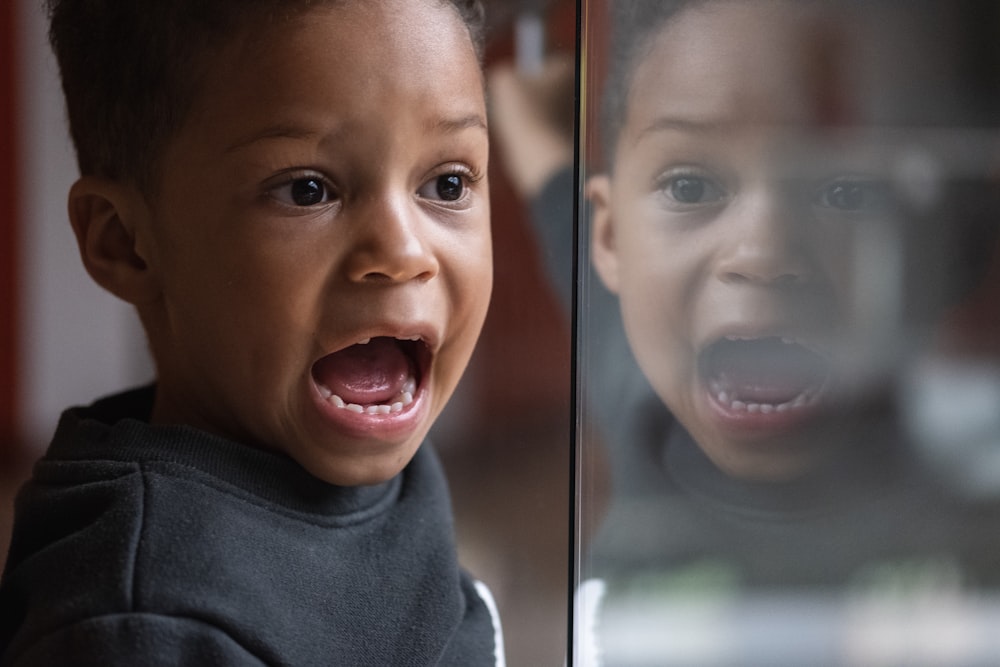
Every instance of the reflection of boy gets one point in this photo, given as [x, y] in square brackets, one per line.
[741, 184]
[312, 269]
[744, 181]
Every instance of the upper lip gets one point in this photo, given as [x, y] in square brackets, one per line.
[401, 331]
[789, 332]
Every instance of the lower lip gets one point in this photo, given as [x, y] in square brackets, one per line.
[391, 426]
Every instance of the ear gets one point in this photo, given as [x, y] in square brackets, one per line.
[110, 221]
[603, 251]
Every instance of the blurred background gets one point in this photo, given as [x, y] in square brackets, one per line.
[505, 439]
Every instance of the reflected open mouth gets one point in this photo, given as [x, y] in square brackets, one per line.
[765, 375]
[376, 376]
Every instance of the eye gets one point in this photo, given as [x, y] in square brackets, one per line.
[449, 187]
[852, 195]
[690, 189]
[305, 191]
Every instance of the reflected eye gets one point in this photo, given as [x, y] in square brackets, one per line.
[691, 189]
[305, 191]
[446, 187]
[851, 195]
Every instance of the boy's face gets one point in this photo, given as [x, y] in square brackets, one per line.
[321, 237]
[728, 228]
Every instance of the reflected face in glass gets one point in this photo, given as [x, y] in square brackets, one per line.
[727, 227]
[324, 258]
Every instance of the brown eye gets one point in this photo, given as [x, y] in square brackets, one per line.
[687, 190]
[307, 192]
[303, 192]
[691, 190]
[851, 195]
[449, 187]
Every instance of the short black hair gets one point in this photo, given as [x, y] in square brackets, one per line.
[131, 70]
[634, 25]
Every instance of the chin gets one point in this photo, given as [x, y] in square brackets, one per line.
[767, 466]
[366, 471]
[773, 472]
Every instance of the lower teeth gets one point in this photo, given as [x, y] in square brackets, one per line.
[723, 397]
[404, 398]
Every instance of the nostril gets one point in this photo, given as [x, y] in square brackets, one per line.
[376, 277]
[401, 272]
[787, 279]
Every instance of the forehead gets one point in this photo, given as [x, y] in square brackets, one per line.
[342, 63]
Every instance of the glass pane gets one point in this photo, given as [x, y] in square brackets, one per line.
[505, 435]
[788, 336]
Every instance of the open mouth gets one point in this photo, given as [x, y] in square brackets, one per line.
[765, 375]
[376, 376]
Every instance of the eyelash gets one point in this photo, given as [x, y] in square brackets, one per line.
[703, 188]
[327, 193]
[856, 194]
[466, 175]
[873, 193]
[283, 193]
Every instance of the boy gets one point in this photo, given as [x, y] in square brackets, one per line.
[294, 197]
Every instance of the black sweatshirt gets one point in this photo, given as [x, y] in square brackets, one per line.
[136, 544]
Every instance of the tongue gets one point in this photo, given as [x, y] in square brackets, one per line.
[766, 371]
[762, 388]
[365, 374]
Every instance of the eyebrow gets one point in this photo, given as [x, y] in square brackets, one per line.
[278, 131]
[448, 125]
[289, 131]
[677, 124]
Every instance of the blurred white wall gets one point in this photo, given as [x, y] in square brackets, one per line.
[78, 342]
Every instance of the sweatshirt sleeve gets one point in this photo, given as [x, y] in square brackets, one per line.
[125, 640]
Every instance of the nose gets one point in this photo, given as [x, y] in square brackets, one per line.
[766, 244]
[389, 243]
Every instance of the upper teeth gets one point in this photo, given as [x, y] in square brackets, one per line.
[365, 341]
[787, 340]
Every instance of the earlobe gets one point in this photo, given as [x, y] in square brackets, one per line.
[108, 219]
[604, 253]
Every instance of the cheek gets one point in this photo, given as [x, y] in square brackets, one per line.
[658, 315]
[472, 277]
[255, 313]
[261, 297]
[845, 269]
[651, 321]
[476, 305]
[652, 279]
